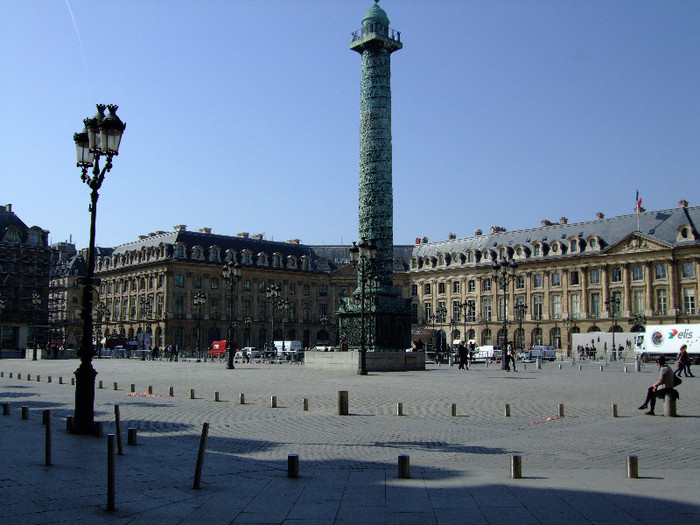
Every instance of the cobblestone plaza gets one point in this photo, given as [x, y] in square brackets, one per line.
[573, 467]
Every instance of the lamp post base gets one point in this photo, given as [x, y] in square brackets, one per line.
[84, 417]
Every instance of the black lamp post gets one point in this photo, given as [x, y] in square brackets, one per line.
[248, 322]
[441, 316]
[101, 312]
[503, 273]
[101, 136]
[232, 274]
[362, 255]
[272, 293]
[520, 310]
[145, 311]
[613, 303]
[36, 302]
[198, 301]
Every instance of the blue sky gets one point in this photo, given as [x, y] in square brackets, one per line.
[243, 116]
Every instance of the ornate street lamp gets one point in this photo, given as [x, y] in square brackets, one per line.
[36, 302]
[362, 256]
[272, 293]
[232, 274]
[145, 310]
[503, 273]
[520, 310]
[198, 302]
[101, 136]
[101, 312]
[248, 322]
[613, 304]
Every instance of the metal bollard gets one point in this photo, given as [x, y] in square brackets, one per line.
[613, 408]
[625, 369]
[454, 409]
[69, 423]
[99, 429]
[507, 411]
[29, 377]
[6, 409]
[48, 380]
[99, 385]
[273, 401]
[150, 389]
[601, 368]
[171, 392]
[72, 381]
[47, 440]
[45, 416]
[38, 379]
[561, 409]
[110, 472]
[133, 387]
[216, 397]
[637, 366]
[293, 466]
[115, 386]
[25, 412]
[516, 467]
[241, 398]
[399, 409]
[192, 393]
[343, 402]
[305, 404]
[580, 367]
[632, 467]
[559, 366]
[404, 466]
[60, 380]
[118, 428]
[200, 455]
[131, 437]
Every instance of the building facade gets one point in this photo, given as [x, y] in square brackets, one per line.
[608, 274]
[24, 284]
[148, 287]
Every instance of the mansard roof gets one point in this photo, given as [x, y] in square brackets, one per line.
[336, 256]
[662, 226]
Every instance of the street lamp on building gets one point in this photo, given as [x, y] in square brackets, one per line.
[362, 256]
[503, 273]
[100, 137]
[232, 274]
[198, 301]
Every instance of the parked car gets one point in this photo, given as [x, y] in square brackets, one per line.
[250, 351]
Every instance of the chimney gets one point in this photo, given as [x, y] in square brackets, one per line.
[294, 241]
[417, 240]
[424, 240]
[258, 236]
[7, 208]
[180, 228]
[478, 232]
[142, 237]
[452, 236]
[563, 220]
[600, 215]
[160, 232]
[205, 230]
[243, 235]
[497, 229]
[151, 234]
[546, 222]
[682, 203]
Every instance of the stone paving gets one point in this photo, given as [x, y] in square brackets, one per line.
[574, 467]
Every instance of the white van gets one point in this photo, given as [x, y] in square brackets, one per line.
[488, 353]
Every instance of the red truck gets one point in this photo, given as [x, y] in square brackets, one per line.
[218, 349]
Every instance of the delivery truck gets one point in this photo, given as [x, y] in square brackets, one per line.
[667, 340]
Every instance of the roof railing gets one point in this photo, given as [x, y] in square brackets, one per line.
[376, 28]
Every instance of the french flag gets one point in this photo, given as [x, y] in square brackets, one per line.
[638, 199]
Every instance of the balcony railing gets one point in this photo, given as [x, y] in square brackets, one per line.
[376, 28]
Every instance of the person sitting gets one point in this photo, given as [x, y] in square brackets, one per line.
[660, 389]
